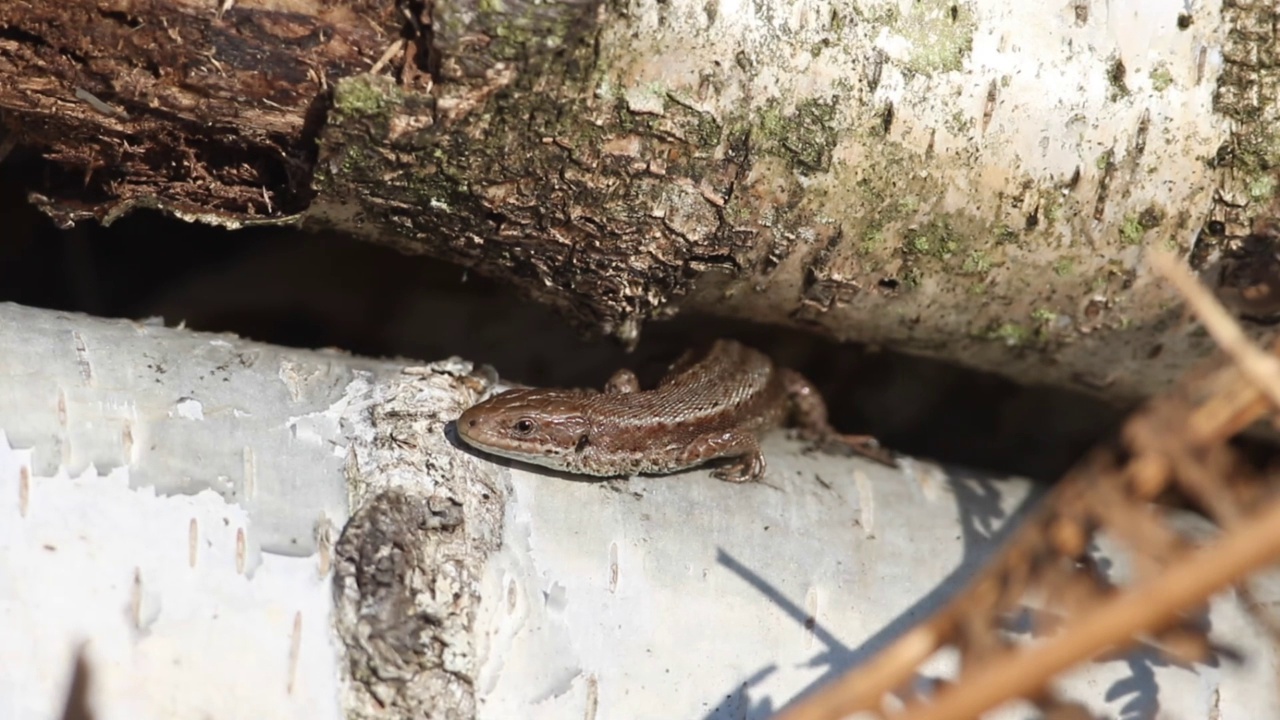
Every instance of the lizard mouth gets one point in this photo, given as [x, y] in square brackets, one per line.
[477, 438]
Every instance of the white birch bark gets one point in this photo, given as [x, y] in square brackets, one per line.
[241, 531]
[971, 180]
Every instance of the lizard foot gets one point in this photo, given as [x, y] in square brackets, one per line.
[741, 448]
[749, 468]
[866, 446]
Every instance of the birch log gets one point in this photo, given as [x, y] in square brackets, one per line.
[227, 529]
[975, 181]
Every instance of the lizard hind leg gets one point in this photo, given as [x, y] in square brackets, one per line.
[808, 413]
[748, 460]
[807, 409]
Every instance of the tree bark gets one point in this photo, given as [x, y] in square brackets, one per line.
[970, 181]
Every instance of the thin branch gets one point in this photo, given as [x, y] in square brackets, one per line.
[867, 684]
[1178, 439]
[1252, 545]
[1260, 367]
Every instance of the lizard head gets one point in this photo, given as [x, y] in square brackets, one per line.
[544, 427]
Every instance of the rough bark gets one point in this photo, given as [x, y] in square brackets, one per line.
[974, 181]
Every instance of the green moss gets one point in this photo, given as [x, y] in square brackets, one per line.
[976, 263]
[806, 136]
[919, 244]
[939, 34]
[870, 191]
[697, 127]
[631, 121]
[363, 96]
[738, 213]
[1262, 187]
[872, 241]
[935, 240]
[1161, 78]
[891, 196]
[361, 113]
[836, 21]
[1011, 334]
[1007, 235]
[522, 36]
[1253, 153]
[959, 123]
[1256, 148]
[1043, 315]
[1063, 267]
[1053, 209]
[359, 123]
[886, 14]
[1131, 230]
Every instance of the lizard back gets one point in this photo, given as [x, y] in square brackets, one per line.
[727, 386]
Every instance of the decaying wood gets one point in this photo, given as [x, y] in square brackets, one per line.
[938, 177]
[1178, 443]
[209, 113]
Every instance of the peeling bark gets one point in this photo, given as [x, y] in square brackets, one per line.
[976, 182]
[397, 595]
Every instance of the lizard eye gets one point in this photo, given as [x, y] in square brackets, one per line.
[523, 426]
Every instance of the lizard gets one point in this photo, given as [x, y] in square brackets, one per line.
[712, 404]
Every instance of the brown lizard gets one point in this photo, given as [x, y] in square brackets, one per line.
[711, 404]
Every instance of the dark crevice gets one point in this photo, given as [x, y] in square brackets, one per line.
[30, 39]
[22, 37]
[122, 18]
[315, 290]
[419, 30]
[234, 171]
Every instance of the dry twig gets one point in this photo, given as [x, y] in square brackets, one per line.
[1176, 441]
[1258, 366]
[1251, 546]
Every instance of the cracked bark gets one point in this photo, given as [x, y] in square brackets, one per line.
[942, 178]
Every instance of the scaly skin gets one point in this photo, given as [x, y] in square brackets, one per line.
[711, 405]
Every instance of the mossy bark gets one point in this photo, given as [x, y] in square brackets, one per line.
[970, 181]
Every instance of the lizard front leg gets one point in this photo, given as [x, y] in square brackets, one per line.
[809, 415]
[742, 446]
